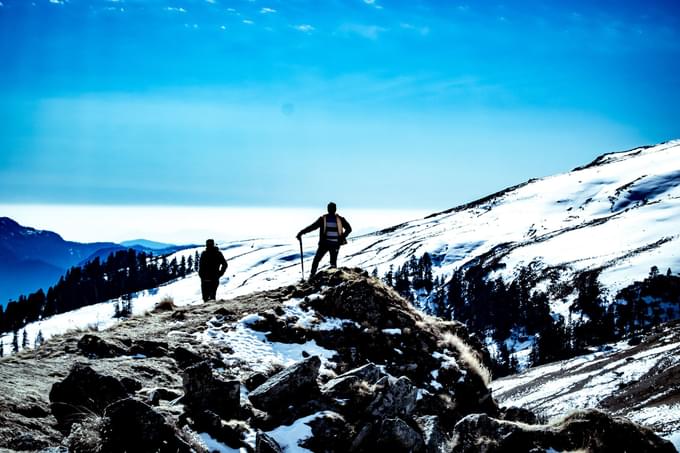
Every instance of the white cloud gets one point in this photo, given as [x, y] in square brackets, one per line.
[57, 2]
[210, 1]
[223, 27]
[267, 11]
[369, 2]
[231, 10]
[304, 28]
[365, 31]
[248, 22]
[172, 8]
[422, 30]
[1, 4]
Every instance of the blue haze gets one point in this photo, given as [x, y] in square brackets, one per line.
[423, 104]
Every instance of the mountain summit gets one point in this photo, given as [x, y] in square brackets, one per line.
[341, 363]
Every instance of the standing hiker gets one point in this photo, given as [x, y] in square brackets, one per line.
[211, 267]
[334, 231]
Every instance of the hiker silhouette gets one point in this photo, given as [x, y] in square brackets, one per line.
[334, 230]
[211, 267]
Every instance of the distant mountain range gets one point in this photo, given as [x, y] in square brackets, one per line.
[31, 259]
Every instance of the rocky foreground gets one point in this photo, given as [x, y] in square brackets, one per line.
[338, 364]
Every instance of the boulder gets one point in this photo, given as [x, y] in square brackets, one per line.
[589, 430]
[396, 399]
[330, 432]
[94, 347]
[255, 380]
[131, 425]
[369, 373]
[265, 444]
[149, 348]
[205, 391]
[82, 392]
[519, 414]
[396, 435]
[294, 384]
[434, 438]
[186, 357]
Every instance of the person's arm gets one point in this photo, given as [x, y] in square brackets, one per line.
[346, 227]
[201, 266]
[314, 226]
[223, 264]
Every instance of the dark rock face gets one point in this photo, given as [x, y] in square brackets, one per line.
[203, 390]
[294, 384]
[265, 444]
[149, 348]
[396, 435]
[84, 390]
[396, 399]
[329, 429]
[589, 431]
[131, 425]
[94, 347]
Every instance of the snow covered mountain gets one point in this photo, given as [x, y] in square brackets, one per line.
[619, 213]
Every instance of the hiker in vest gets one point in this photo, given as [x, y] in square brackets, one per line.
[334, 231]
[211, 267]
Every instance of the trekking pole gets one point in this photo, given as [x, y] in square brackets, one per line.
[302, 261]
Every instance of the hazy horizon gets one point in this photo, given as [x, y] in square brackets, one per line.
[190, 225]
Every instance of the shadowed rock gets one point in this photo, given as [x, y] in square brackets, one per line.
[83, 392]
[587, 430]
[397, 436]
[291, 385]
[131, 425]
[265, 444]
[94, 347]
[203, 390]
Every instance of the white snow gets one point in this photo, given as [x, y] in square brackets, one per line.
[252, 348]
[214, 445]
[583, 382]
[288, 437]
[392, 331]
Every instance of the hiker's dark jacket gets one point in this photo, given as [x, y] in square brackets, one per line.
[213, 265]
[334, 229]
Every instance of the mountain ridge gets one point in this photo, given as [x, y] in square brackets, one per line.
[359, 369]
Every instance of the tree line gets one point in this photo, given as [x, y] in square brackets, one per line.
[123, 273]
[499, 310]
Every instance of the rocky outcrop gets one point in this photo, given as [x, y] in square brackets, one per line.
[583, 431]
[82, 393]
[203, 390]
[357, 370]
[291, 386]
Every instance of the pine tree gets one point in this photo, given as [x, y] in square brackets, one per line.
[374, 274]
[2, 348]
[39, 339]
[190, 264]
[183, 267]
[15, 342]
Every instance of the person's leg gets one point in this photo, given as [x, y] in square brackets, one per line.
[334, 256]
[320, 252]
[213, 289]
[205, 290]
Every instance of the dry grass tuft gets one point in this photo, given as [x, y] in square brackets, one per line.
[467, 355]
[167, 303]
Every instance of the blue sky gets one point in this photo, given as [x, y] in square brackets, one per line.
[379, 104]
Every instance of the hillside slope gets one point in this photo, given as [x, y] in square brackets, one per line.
[639, 382]
[341, 363]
